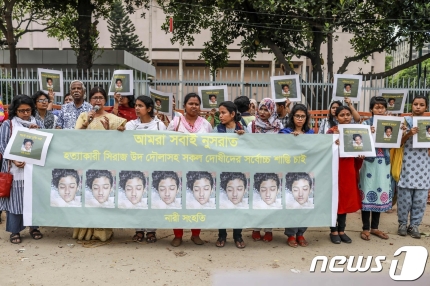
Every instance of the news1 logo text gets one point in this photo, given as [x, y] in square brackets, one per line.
[413, 267]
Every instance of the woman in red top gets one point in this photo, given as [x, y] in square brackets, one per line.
[124, 107]
[349, 194]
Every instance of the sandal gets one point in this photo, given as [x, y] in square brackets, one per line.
[268, 237]
[256, 235]
[15, 238]
[302, 241]
[365, 235]
[150, 237]
[221, 241]
[36, 234]
[291, 241]
[379, 233]
[138, 237]
[197, 240]
[239, 242]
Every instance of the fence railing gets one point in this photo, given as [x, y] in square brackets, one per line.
[252, 83]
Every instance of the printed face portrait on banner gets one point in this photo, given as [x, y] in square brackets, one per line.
[26, 145]
[299, 190]
[200, 190]
[133, 188]
[388, 132]
[65, 190]
[267, 190]
[166, 190]
[234, 190]
[100, 189]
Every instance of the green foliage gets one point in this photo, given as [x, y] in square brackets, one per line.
[409, 77]
[388, 62]
[122, 31]
[296, 28]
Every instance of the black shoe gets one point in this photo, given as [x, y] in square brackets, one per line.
[335, 238]
[345, 238]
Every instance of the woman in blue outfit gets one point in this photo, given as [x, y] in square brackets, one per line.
[299, 123]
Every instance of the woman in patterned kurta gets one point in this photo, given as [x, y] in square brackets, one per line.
[375, 180]
[97, 120]
[21, 114]
[414, 180]
[349, 196]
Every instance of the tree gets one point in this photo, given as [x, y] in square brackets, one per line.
[298, 28]
[79, 26]
[122, 31]
[17, 19]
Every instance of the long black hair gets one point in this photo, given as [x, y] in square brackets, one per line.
[17, 101]
[330, 120]
[131, 101]
[97, 90]
[192, 95]
[38, 94]
[149, 103]
[342, 107]
[231, 107]
[291, 124]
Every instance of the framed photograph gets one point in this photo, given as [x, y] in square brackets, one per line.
[299, 190]
[162, 101]
[422, 138]
[234, 190]
[285, 86]
[388, 133]
[212, 96]
[356, 140]
[201, 190]
[100, 188]
[28, 145]
[347, 85]
[122, 82]
[267, 191]
[396, 99]
[51, 80]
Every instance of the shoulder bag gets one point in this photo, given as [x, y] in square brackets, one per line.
[6, 178]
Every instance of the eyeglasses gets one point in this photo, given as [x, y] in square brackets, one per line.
[24, 110]
[97, 98]
[300, 116]
[42, 100]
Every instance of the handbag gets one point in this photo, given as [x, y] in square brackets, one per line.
[6, 178]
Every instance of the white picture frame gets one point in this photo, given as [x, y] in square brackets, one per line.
[36, 154]
[127, 82]
[399, 95]
[348, 146]
[51, 80]
[291, 82]
[340, 83]
[381, 136]
[422, 138]
[205, 93]
[166, 107]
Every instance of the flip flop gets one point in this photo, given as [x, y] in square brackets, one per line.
[379, 234]
[137, 237]
[365, 235]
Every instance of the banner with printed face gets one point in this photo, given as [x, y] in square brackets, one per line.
[162, 101]
[395, 98]
[422, 138]
[346, 85]
[122, 82]
[157, 179]
[285, 87]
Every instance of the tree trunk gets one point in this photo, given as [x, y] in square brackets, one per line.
[11, 43]
[330, 61]
[317, 77]
[83, 25]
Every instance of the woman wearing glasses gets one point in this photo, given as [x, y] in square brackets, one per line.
[98, 118]
[42, 100]
[21, 114]
[298, 125]
[266, 121]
